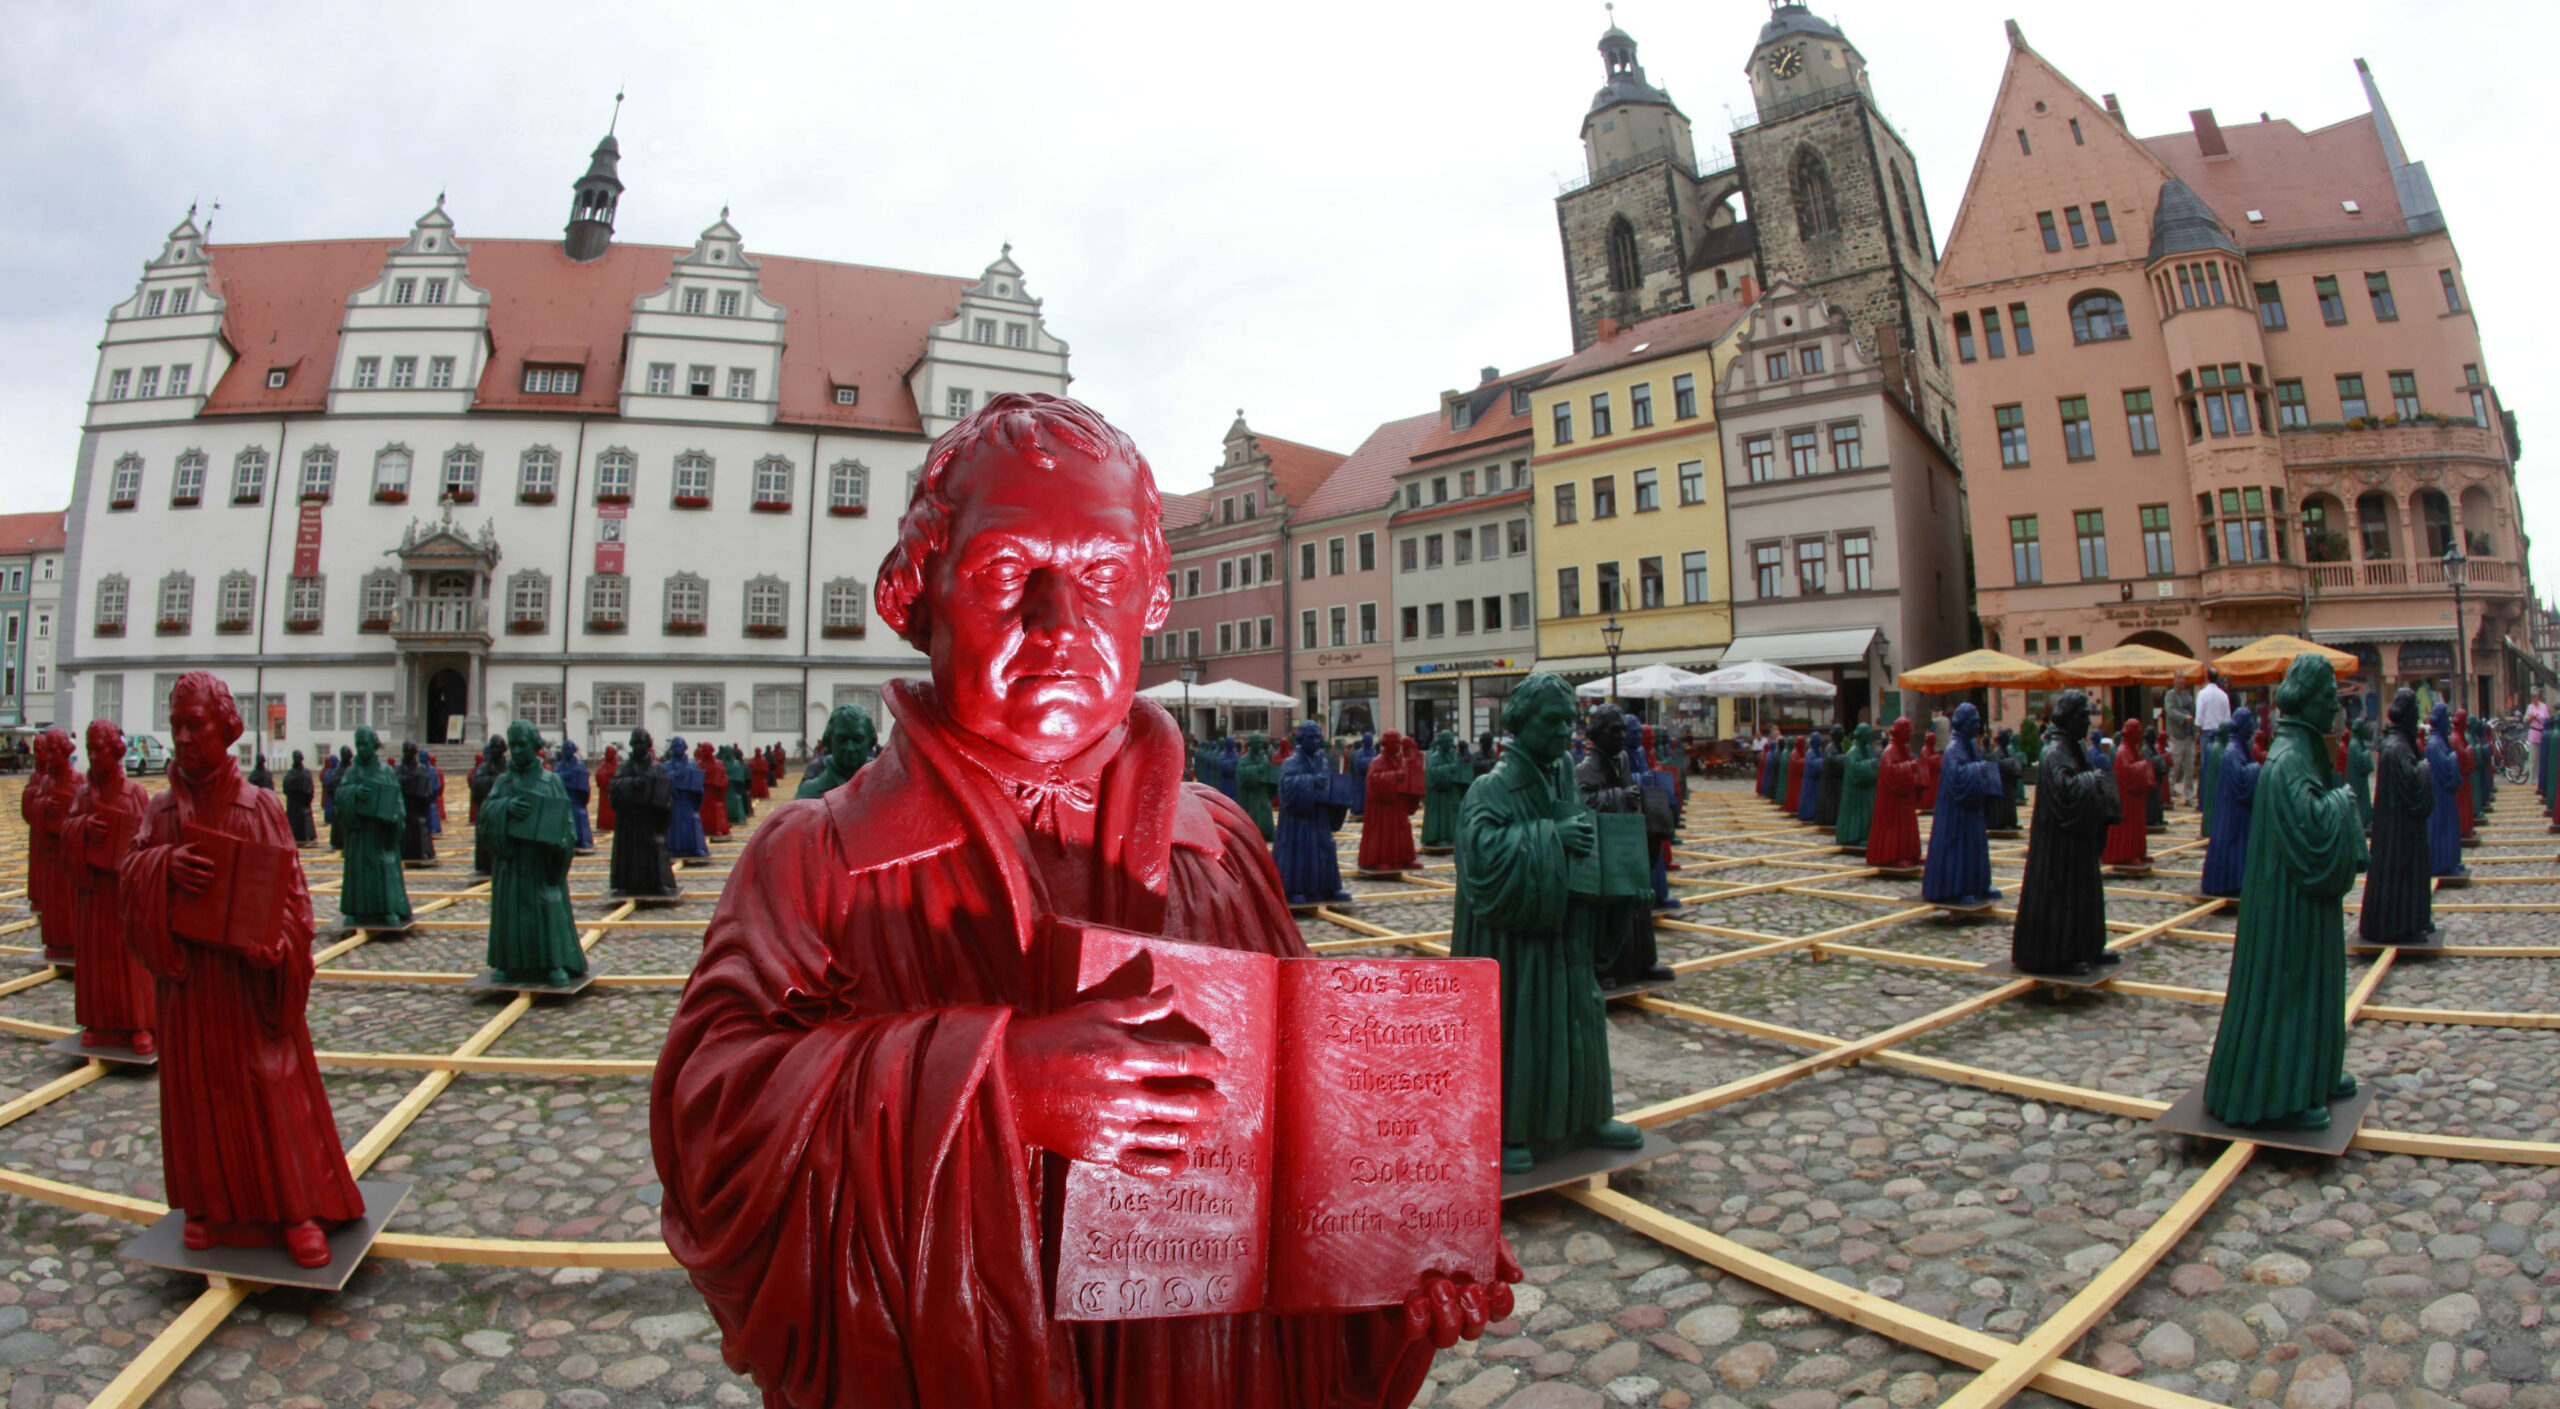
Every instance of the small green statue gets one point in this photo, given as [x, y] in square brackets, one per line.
[847, 745]
[1522, 831]
[1858, 789]
[372, 893]
[533, 937]
[1445, 780]
[1257, 784]
[733, 760]
[2360, 768]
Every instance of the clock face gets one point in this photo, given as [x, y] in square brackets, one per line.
[1787, 62]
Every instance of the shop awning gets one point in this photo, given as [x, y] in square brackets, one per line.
[1841, 646]
[1576, 667]
[2377, 635]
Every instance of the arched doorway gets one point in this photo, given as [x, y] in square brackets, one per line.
[448, 699]
[2137, 701]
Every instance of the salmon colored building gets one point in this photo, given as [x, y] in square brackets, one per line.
[2226, 382]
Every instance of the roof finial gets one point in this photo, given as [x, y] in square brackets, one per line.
[724, 210]
[1007, 251]
[617, 113]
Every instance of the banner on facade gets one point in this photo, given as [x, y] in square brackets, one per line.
[609, 520]
[306, 543]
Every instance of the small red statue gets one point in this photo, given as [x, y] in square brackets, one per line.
[45, 805]
[1893, 841]
[1395, 790]
[110, 991]
[2470, 760]
[868, 1089]
[216, 909]
[606, 767]
[759, 765]
[1930, 761]
[2129, 840]
[715, 790]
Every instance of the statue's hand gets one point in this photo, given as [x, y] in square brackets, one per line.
[1581, 835]
[1445, 1308]
[190, 871]
[1088, 1086]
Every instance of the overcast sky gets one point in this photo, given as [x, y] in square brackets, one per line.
[1320, 213]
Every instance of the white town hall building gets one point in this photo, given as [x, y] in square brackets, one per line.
[440, 484]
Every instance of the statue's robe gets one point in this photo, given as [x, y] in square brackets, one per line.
[1258, 792]
[2000, 810]
[297, 805]
[2155, 803]
[1893, 839]
[714, 805]
[1835, 778]
[2399, 886]
[606, 767]
[2467, 789]
[1857, 795]
[1513, 906]
[2209, 775]
[419, 793]
[684, 825]
[1791, 786]
[644, 801]
[759, 775]
[1932, 767]
[1364, 755]
[822, 777]
[371, 818]
[1386, 824]
[571, 770]
[1310, 872]
[2283, 1042]
[1622, 941]
[111, 993]
[2444, 823]
[246, 1134]
[832, 1114]
[531, 928]
[1769, 753]
[1959, 841]
[2226, 855]
[1809, 788]
[2129, 840]
[330, 772]
[2062, 903]
[2360, 779]
[733, 784]
[45, 805]
[1230, 776]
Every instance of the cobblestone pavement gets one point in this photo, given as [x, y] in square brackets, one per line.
[2373, 1281]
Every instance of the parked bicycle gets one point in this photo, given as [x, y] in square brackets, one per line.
[2515, 760]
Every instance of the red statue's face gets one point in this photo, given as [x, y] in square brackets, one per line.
[203, 736]
[1037, 605]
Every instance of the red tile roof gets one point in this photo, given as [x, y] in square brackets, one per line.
[1655, 338]
[284, 304]
[31, 533]
[1494, 420]
[2294, 178]
[1367, 480]
[1184, 510]
[1298, 470]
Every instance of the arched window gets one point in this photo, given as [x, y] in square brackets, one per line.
[1910, 226]
[391, 474]
[616, 469]
[462, 474]
[768, 607]
[693, 480]
[126, 487]
[319, 472]
[773, 483]
[843, 613]
[2435, 517]
[378, 600]
[538, 475]
[848, 487]
[2098, 316]
[1624, 276]
[114, 590]
[235, 602]
[187, 485]
[1816, 212]
[528, 602]
[249, 476]
[178, 603]
[2373, 524]
[2479, 523]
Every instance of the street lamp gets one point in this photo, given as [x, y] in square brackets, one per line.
[2457, 570]
[1610, 636]
[1190, 672]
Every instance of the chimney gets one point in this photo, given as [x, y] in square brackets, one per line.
[2017, 36]
[1750, 290]
[2114, 111]
[2208, 133]
[1491, 375]
[1608, 329]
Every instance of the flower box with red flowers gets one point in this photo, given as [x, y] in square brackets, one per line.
[301, 626]
[374, 623]
[525, 626]
[251, 497]
[772, 506]
[125, 503]
[693, 501]
[684, 628]
[597, 625]
[847, 511]
[534, 496]
[462, 496]
[315, 496]
[840, 633]
[613, 498]
[177, 627]
[391, 496]
[237, 626]
[108, 628]
[185, 501]
[767, 632]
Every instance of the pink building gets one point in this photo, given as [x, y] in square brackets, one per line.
[1229, 595]
[2221, 383]
[1343, 651]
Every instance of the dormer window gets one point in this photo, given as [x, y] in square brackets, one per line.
[178, 300]
[728, 303]
[151, 306]
[435, 287]
[1519, 401]
[404, 291]
[275, 378]
[693, 301]
[848, 395]
[551, 381]
[1460, 416]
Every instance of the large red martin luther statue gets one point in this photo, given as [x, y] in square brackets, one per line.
[851, 1114]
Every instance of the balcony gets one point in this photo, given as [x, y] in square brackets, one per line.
[447, 617]
[2233, 583]
[2330, 442]
[2426, 575]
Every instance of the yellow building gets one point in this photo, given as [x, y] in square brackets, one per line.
[1629, 499]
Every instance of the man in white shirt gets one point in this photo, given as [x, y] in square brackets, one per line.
[2213, 711]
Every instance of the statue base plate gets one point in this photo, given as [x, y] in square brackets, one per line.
[114, 1056]
[2470, 842]
[2131, 872]
[618, 896]
[39, 960]
[1901, 873]
[2096, 978]
[1378, 875]
[163, 1244]
[2461, 881]
[2430, 942]
[1309, 907]
[490, 982]
[2188, 1117]
[1583, 1164]
[2160, 829]
[1451, 850]
[1638, 989]
[2004, 833]
[418, 865]
[347, 927]
[1964, 908]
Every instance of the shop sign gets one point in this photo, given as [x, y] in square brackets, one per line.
[1334, 658]
[1445, 667]
[2418, 656]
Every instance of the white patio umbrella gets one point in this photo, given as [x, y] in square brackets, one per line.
[1642, 683]
[1230, 693]
[1753, 678]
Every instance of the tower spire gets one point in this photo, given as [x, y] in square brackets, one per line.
[595, 197]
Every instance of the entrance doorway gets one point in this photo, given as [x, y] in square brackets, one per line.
[448, 698]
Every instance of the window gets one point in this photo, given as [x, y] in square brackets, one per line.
[404, 372]
[1410, 622]
[1804, 452]
[2098, 316]
[1604, 496]
[1467, 485]
[235, 602]
[182, 373]
[615, 472]
[2079, 232]
[1519, 401]
[1693, 578]
[404, 291]
[1769, 569]
[1648, 484]
[1964, 337]
[693, 480]
[1857, 562]
[1340, 621]
[1816, 214]
[538, 475]
[2373, 521]
[1306, 562]
[1564, 503]
[1520, 617]
[2090, 527]
[1191, 582]
[1991, 340]
[1435, 620]
[1408, 550]
[688, 604]
[179, 299]
[2026, 551]
[2243, 525]
[1809, 359]
[462, 474]
[1017, 335]
[324, 711]
[617, 707]
[693, 301]
[2452, 300]
[106, 695]
[1564, 423]
[435, 290]
[848, 487]
[377, 599]
[2098, 210]
[1648, 582]
[1568, 591]
[662, 379]
[2351, 402]
[1440, 489]
[1684, 396]
[1490, 608]
[1760, 459]
[840, 608]
[124, 488]
[249, 476]
[2292, 413]
[727, 305]
[1693, 482]
[2141, 425]
[1611, 597]
[768, 606]
[1640, 406]
[2378, 288]
[538, 705]
[608, 601]
[528, 602]
[1369, 552]
[149, 386]
[2404, 394]
[2270, 298]
[151, 306]
[559, 381]
[774, 475]
[1368, 623]
[1462, 546]
[2012, 422]
[1625, 275]
[2159, 559]
[1813, 562]
[113, 590]
[2079, 442]
[1307, 629]
[698, 707]
[2017, 328]
[1776, 365]
[1333, 557]
[1516, 537]
[440, 375]
[697, 380]
[351, 710]
[1226, 574]
[742, 384]
[187, 485]
[1600, 423]
[319, 472]
[2333, 309]
[2044, 218]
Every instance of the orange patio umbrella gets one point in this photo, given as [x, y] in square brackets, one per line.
[2129, 665]
[1975, 670]
[2269, 657]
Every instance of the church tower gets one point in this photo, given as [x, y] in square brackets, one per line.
[1835, 203]
[593, 200]
[1645, 224]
